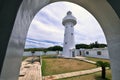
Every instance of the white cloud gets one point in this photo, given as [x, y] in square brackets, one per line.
[47, 25]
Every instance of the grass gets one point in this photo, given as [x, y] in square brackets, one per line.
[52, 65]
[98, 59]
[43, 67]
[24, 57]
[93, 76]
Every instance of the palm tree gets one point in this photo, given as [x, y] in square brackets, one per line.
[33, 52]
[45, 51]
[103, 66]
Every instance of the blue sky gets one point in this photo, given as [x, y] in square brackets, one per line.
[47, 30]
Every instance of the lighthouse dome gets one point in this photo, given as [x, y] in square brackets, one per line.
[69, 18]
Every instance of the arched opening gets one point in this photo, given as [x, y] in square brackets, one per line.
[27, 12]
[40, 21]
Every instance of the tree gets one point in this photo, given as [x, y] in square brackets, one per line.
[96, 45]
[85, 46]
[103, 66]
[102, 45]
[33, 52]
[45, 51]
[55, 48]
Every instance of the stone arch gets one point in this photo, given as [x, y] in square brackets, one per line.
[110, 24]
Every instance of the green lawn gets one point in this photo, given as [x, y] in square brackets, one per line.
[94, 76]
[24, 57]
[98, 59]
[52, 65]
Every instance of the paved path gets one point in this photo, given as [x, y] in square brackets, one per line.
[71, 74]
[84, 59]
[30, 71]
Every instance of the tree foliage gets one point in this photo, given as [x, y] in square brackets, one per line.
[78, 46]
[35, 49]
[85, 46]
[103, 66]
[90, 46]
[55, 48]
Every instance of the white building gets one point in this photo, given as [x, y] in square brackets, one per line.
[95, 52]
[69, 44]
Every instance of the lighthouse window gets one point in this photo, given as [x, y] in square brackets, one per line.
[65, 42]
[71, 33]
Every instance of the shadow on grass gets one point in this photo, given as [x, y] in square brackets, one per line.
[99, 78]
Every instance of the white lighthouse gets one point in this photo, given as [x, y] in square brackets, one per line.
[69, 43]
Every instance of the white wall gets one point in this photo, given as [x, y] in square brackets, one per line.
[38, 53]
[93, 53]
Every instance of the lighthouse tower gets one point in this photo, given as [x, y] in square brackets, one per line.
[69, 44]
